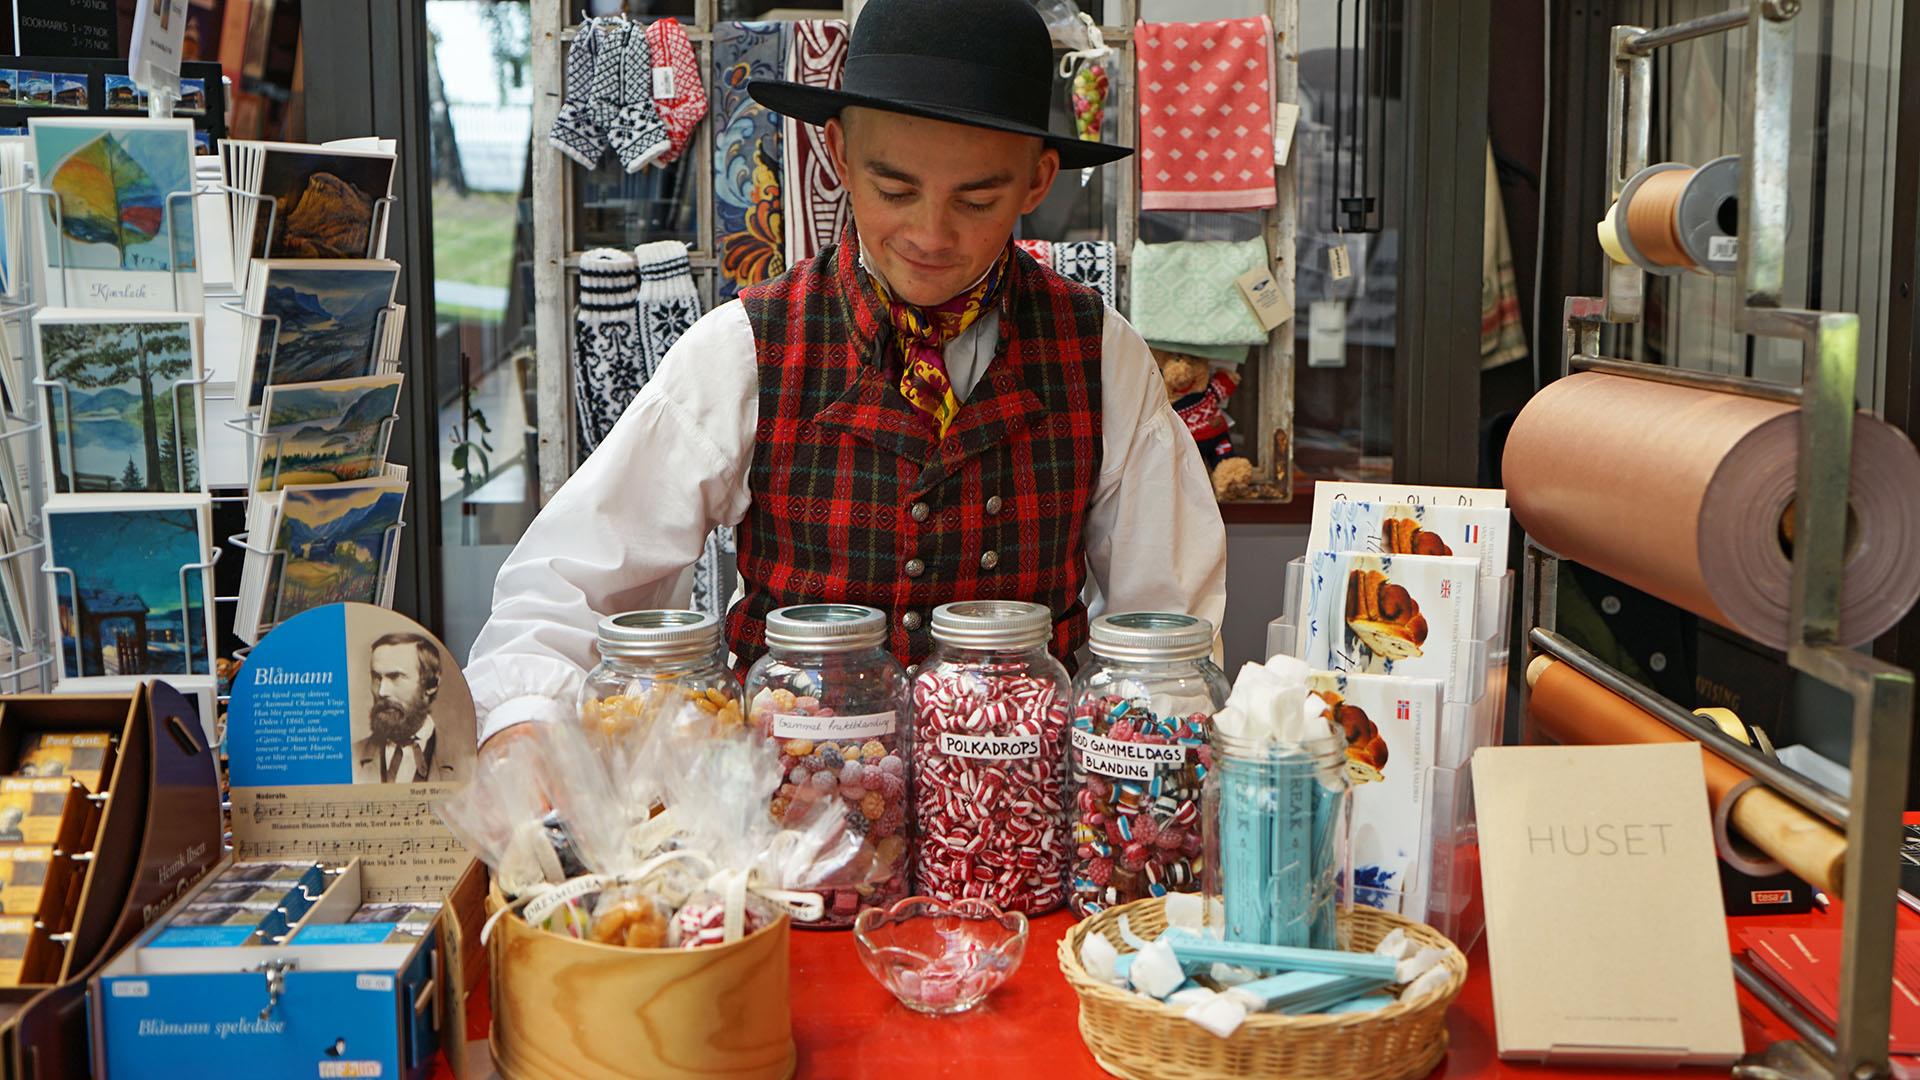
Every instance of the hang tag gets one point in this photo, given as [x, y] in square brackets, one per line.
[1286, 116]
[1327, 334]
[1270, 303]
[1337, 262]
[663, 84]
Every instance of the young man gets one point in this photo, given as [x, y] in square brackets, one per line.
[921, 414]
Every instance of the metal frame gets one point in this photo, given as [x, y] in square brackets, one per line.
[555, 256]
[1882, 695]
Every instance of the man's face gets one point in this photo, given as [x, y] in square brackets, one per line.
[399, 701]
[935, 202]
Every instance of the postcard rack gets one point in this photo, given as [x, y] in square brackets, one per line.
[1882, 695]
[383, 582]
[1471, 716]
[31, 666]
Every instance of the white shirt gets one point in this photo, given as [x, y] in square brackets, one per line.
[407, 759]
[621, 531]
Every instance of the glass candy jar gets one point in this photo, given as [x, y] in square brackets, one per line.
[1275, 817]
[1141, 717]
[990, 719]
[834, 701]
[658, 666]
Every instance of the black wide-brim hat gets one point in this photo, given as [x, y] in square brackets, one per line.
[984, 63]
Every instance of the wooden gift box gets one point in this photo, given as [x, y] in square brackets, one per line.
[565, 1009]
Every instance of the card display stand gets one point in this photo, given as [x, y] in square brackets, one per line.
[159, 831]
[1471, 716]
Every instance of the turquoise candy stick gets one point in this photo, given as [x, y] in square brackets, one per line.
[1197, 950]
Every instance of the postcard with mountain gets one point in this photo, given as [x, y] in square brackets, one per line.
[125, 415]
[320, 433]
[319, 320]
[131, 595]
[336, 538]
[111, 180]
[325, 202]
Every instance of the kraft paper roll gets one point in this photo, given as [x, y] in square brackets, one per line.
[1681, 493]
[1573, 709]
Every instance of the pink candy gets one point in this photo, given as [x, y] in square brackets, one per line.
[989, 765]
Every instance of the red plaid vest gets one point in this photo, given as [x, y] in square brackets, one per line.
[856, 498]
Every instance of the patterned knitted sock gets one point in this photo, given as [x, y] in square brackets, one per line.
[607, 369]
[634, 128]
[678, 93]
[574, 132]
[667, 300]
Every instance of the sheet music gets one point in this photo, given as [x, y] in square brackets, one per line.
[406, 853]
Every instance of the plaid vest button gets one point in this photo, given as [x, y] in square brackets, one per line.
[920, 511]
[989, 560]
[915, 567]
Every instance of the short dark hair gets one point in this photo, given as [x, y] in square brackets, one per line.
[428, 652]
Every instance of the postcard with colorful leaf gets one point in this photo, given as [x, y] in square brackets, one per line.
[320, 319]
[336, 539]
[109, 244]
[131, 594]
[125, 413]
[320, 433]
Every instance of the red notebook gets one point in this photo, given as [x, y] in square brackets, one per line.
[1805, 964]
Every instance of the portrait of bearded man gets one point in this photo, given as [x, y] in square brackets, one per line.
[400, 742]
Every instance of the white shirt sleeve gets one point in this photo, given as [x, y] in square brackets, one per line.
[619, 533]
[1155, 541]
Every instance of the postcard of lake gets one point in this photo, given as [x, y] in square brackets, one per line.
[325, 199]
[319, 320]
[122, 602]
[126, 413]
[321, 433]
[112, 178]
[336, 539]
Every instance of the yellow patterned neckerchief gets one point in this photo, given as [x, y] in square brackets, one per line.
[923, 334]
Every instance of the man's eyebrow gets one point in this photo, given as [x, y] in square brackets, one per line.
[986, 183]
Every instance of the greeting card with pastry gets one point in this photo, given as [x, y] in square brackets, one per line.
[1473, 532]
[1391, 614]
[1392, 725]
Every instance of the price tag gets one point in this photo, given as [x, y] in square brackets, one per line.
[1327, 334]
[663, 84]
[1286, 116]
[1270, 303]
[1723, 249]
[1337, 262]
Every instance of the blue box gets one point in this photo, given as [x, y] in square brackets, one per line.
[167, 1008]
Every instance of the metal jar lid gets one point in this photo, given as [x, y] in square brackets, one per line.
[1149, 637]
[826, 628]
[659, 635]
[992, 624]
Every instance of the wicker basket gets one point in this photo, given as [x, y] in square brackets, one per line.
[1136, 1037]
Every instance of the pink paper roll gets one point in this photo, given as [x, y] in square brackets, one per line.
[1681, 493]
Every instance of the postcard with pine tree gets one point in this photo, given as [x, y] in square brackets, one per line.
[320, 433]
[125, 413]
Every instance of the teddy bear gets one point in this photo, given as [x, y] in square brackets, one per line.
[1199, 394]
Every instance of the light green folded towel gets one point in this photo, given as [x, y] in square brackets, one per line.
[1185, 292]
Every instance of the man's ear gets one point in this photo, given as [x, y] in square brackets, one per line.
[1045, 171]
[837, 146]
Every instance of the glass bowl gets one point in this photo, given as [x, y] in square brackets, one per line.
[938, 957]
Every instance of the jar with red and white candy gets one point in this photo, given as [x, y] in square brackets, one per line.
[1142, 712]
[834, 701]
[990, 721]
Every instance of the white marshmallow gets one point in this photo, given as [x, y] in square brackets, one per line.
[1098, 956]
[1156, 971]
[1185, 910]
[1222, 1015]
[1397, 945]
[1430, 983]
[1192, 995]
[1418, 964]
